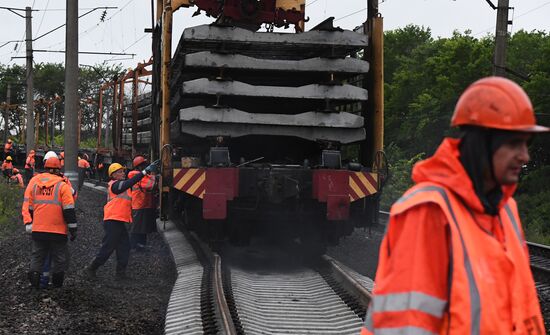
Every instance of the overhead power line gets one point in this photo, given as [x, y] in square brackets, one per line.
[350, 14]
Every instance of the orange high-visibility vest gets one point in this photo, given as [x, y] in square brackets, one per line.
[19, 179]
[29, 163]
[142, 192]
[7, 165]
[119, 206]
[49, 196]
[82, 163]
[491, 288]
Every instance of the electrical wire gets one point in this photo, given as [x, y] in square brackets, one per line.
[488, 29]
[42, 20]
[351, 14]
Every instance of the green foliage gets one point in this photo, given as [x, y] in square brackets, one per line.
[10, 206]
[533, 199]
[424, 78]
[400, 175]
[88, 143]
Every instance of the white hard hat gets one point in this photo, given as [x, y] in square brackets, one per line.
[49, 154]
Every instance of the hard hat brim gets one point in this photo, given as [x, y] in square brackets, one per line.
[534, 129]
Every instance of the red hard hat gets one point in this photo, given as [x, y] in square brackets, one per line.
[138, 160]
[496, 102]
[52, 163]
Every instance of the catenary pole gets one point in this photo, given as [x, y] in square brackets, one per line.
[501, 39]
[30, 96]
[71, 91]
[6, 113]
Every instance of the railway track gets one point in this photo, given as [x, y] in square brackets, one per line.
[232, 295]
[242, 296]
[540, 265]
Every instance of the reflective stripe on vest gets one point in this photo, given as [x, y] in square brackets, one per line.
[48, 213]
[118, 206]
[398, 302]
[119, 196]
[54, 201]
[475, 300]
[501, 294]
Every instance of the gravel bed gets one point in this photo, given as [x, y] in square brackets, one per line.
[83, 306]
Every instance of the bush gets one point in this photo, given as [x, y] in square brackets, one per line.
[533, 199]
[10, 207]
[400, 175]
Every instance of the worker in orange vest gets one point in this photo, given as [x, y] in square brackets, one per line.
[454, 259]
[8, 148]
[84, 170]
[49, 217]
[7, 167]
[17, 178]
[45, 276]
[116, 214]
[62, 160]
[143, 206]
[29, 166]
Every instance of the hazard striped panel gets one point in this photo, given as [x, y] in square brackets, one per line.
[362, 184]
[190, 181]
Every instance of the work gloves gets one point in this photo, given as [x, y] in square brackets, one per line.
[152, 168]
[28, 228]
[72, 232]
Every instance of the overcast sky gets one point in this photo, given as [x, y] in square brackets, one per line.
[122, 29]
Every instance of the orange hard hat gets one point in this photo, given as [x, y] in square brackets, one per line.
[496, 102]
[52, 163]
[31, 152]
[138, 160]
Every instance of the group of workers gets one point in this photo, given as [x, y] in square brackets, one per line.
[49, 216]
[454, 259]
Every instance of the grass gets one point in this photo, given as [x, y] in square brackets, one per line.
[11, 198]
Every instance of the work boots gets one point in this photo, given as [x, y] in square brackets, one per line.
[34, 278]
[58, 278]
[90, 270]
[121, 275]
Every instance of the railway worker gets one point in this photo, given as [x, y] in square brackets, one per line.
[7, 167]
[49, 216]
[8, 148]
[16, 178]
[143, 206]
[29, 166]
[83, 170]
[116, 214]
[454, 259]
[45, 277]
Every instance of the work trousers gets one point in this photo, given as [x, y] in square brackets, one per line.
[115, 240]
[28, 175]
[58, 251]
[81, 177]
